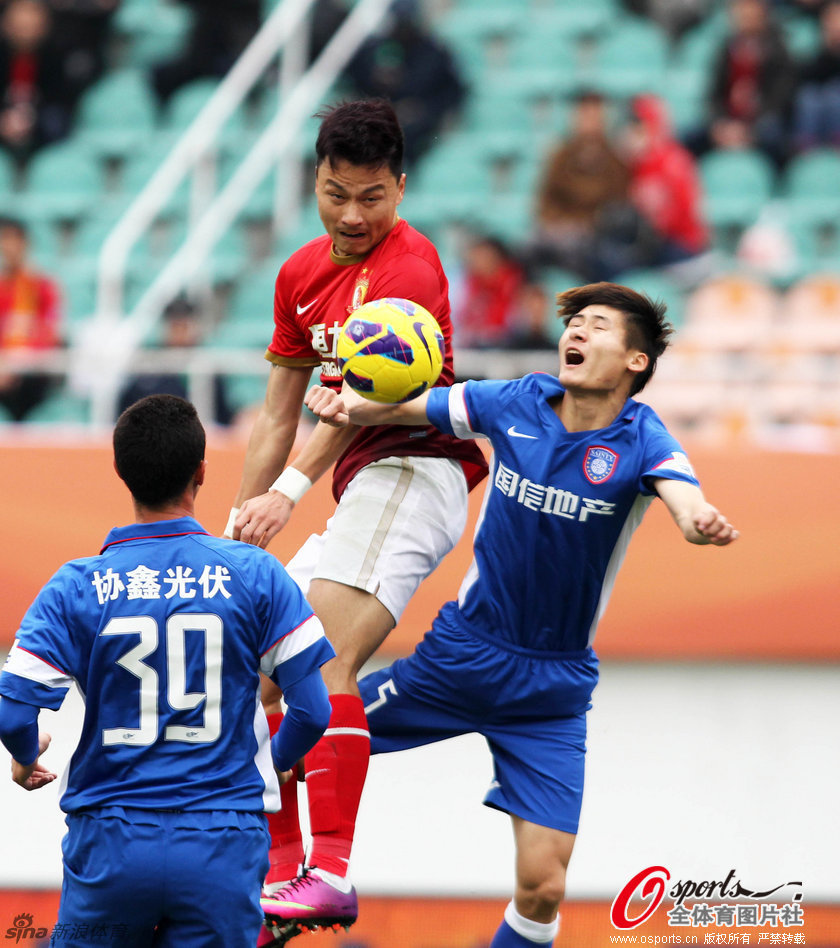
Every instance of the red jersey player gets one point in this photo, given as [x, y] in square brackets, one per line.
[401, 492]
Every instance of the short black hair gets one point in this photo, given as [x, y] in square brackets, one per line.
[647, 328]
[15, 224]
[362, 132]
[180, 306]
[159, 444]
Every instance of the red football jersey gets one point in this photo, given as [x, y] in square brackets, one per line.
[315, 293]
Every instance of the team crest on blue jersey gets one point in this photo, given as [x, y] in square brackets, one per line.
[599, 464]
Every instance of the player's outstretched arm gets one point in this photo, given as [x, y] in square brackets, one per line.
[348, 407]
[699, 521]
[268, 450]
[261, 518]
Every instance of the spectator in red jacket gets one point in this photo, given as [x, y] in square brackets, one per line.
[484, 310]
[29, 320]
[664, 182]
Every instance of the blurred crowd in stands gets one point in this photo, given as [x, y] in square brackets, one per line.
[619, 190]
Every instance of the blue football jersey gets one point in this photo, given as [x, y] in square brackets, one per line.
[558, 511]
[164, 633]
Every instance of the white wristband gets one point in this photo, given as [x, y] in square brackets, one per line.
[234, 511]
[292, 483]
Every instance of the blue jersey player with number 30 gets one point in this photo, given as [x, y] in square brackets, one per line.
[576, 462]
[165, 633]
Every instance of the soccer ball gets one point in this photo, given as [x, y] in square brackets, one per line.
[390, 350]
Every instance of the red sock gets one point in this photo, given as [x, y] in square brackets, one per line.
[335, 777]
[286, 852]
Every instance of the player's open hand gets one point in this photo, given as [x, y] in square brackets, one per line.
[261, 518]
[34, 775]
[328, 405]
[711, 524]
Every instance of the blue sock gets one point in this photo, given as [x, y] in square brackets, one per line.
[506, 937]
[512, 932]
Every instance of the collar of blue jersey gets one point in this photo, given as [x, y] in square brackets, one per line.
[552, 386]
[158, 529]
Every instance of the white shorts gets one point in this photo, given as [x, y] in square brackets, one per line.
[395, 522]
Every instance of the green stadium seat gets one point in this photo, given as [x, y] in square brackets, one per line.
[245, 391]
[684, 91]
[63, 182]
[479, 21]
[78, 293]
[817, 246]
[574, 20]
[187, 102]
[656, 284]
[811, 186]
[61, 407]
[236, 334]
[153, 29]
[8, 180]
[558, 279]
[802, 35]
[473, 58]
[93, 232]
[698, 47]
[140, 168]
[737, 185]
[520, 103]
[455, 177]
[117, 114]
[185, 105]
[249, 322]
[46, 243]
[229, 257]
[507, 217]
[549, 51]
[630, 58]
[497, 106]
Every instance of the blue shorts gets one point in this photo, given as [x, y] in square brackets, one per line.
[530, 707]
[158, 878]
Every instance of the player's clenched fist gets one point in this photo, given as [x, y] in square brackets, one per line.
[328, 405]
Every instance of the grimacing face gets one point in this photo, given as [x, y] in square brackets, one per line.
[357, 204]
[594, 352]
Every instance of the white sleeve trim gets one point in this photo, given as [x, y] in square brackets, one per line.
[27, 665]
[307, 633]
[459, 417]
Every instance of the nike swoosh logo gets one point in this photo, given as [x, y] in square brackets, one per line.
[302, 309]
[518, 434]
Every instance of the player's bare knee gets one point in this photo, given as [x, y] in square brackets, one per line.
[539, 898]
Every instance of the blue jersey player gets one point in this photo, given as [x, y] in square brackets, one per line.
[165, 632]
[576, 462]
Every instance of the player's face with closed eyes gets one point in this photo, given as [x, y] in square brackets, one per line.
[357, 204]
[594, 353]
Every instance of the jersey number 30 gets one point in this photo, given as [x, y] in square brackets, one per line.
[176, 667]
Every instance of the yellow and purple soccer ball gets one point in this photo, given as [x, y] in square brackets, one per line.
[390, 350]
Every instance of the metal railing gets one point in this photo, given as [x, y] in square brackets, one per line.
[105, 347]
